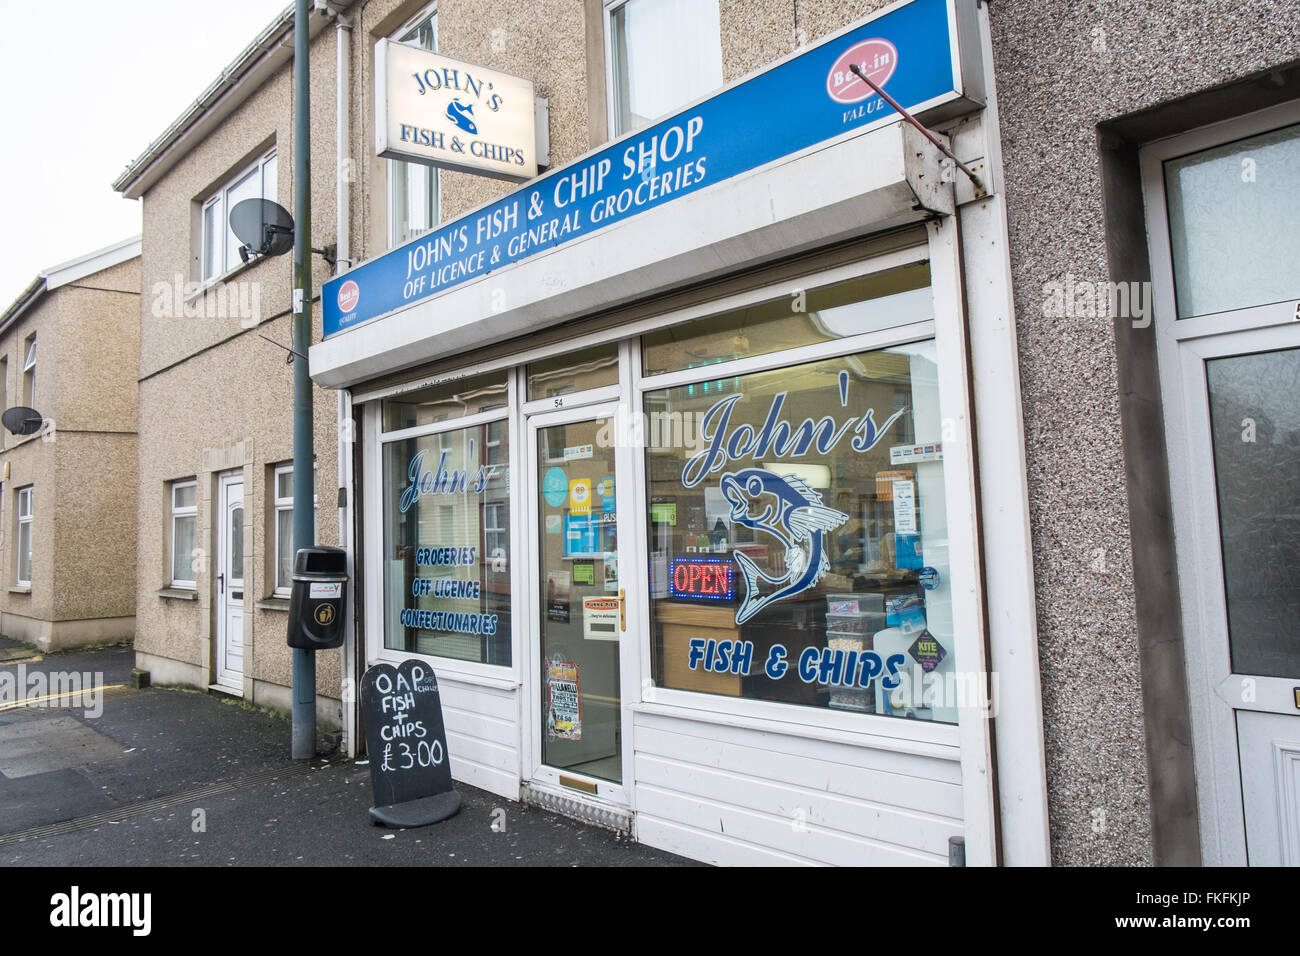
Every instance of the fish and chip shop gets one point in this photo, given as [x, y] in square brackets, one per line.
[665, 461]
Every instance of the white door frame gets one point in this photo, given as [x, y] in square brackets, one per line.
[1183, 346]
[224, 586]
[630, 565]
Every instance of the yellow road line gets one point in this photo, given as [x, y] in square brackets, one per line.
[28, 701]
[23, 660]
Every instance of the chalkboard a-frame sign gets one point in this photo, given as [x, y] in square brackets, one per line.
[407, 744]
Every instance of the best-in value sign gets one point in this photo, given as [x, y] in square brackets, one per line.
[435, 110]
[911, 51]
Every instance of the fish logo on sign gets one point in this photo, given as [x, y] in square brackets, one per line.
[462, 115]
[791, 512]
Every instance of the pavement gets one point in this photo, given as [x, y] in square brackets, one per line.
[172, 777]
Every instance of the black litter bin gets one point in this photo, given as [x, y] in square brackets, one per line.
[320, 588]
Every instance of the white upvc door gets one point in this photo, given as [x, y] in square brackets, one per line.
[1228, 343]
[229, 597]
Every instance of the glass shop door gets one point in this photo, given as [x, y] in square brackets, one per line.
[582, 646]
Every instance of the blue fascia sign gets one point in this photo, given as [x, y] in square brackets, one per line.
[910, 49]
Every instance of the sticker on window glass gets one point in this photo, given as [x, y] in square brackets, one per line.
[555, 487]
[600, 618]
[580, 496]
[606, 489]
[927, 651]
[557, 596]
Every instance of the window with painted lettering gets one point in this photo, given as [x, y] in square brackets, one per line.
[446, 525]
[663, 54]
[798, 533]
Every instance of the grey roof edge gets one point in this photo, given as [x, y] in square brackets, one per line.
[47, 280]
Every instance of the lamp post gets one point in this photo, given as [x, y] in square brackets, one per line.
[304, 512]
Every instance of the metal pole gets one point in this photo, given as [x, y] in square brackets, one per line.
[304, 511]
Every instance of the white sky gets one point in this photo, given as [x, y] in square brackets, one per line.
[85, 87]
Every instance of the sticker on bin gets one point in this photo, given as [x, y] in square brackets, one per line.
[334, 590]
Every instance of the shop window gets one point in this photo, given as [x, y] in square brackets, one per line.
[575, 372]
[413, 187]
[184, 509]
[799, 535]
[446, 401]
[868, 304]
[29, 371]
[218, 244]
[1232, 211]
[24, 555]
[663, 55]
[446, 525]
[282, 501]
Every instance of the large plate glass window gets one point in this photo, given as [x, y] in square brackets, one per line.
[798, 527]
[446, 521]
[663, 55]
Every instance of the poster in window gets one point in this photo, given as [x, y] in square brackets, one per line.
[563, 701]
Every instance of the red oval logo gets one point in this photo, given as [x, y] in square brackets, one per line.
[876, 58]
[350, 292]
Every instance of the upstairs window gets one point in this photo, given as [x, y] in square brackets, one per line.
[29, 372]
[413, 187]
[663, 54]
[219, 247]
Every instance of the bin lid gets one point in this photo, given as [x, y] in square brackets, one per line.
[320, 560]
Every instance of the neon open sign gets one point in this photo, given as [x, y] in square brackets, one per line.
[701, 579]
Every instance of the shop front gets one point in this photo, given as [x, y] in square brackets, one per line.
[681, 497]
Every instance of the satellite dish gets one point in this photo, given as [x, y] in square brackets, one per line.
[264, 227]
[21, 420]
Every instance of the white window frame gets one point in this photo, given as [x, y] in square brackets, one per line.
[611, 103]
[394, 165]
[184, 511]
[279, 504]
[25, 514]
[29, 371]
[218, 201]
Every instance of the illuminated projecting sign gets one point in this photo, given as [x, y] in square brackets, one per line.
[438, 111]
[701, 579]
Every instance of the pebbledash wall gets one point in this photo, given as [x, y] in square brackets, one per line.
[1081, 88]
[66, 545]
[216, 398]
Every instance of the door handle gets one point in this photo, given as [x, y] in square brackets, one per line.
[622, 609]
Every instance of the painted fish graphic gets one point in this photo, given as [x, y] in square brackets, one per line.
[462, 115]
[793, 513]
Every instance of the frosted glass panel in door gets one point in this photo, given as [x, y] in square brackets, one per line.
[1233, 214]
